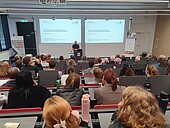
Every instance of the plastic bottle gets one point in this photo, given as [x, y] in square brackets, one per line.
[85, 103]
[58, 84]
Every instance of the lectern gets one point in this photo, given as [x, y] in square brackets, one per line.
[78, 53]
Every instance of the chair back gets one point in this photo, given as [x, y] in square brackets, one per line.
[163, 71]
[160, 83]
[132, 80]
[47, 77]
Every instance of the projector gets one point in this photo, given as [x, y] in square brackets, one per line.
[52, 1]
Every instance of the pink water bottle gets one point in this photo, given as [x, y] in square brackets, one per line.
[85, 103]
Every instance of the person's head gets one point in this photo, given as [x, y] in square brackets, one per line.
[61, 58]
[71, 62]
[117, 60]
[27, 60]
[112, 58]
[127, 71]
[105, 60]
[13, 72]
[98, 74]
[137, 58]
[24, 79]
[57, 109]
[72, 57]
[84, 58]
[70, 69]
[144, 54]
[139, 108]
[73, 81]
[4, 66]
[151, 70]
[19, 64]
[75, 42]
[109, 77]
[44, 58]
[52, 64]
[163, 62]
[99, 60]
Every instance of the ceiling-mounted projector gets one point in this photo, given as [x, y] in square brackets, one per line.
[52, 1]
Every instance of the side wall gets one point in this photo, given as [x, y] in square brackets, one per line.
[161, 45]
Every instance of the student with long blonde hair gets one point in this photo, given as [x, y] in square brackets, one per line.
[151, 70]
[57, 113]
[139, 109]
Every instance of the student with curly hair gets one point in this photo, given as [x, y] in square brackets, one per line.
[139, 109]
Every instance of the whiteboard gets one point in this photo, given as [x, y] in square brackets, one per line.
[130, 45]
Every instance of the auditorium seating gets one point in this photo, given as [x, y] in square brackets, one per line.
[163, 70]
[132, 80]
[160, 83]
[19, 112]
[47, 77]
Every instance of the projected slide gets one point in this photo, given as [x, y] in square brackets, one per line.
[60, 30]
[104, 31]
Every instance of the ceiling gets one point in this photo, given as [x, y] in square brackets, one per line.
[86, 7]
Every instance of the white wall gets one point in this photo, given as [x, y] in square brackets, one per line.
[143, 26]
[4, 55]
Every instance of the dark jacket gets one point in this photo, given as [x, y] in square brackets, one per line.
[117, 124]
[33, 96]
[73, 96]
[10, 83]
[31, 68]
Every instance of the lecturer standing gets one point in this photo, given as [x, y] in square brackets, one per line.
[75, 46]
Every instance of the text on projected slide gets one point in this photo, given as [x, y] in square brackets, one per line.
[104, 31]
[60, 30]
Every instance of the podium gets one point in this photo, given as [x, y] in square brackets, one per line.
[78, 54]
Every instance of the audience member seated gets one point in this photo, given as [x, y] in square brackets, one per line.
[110, 93]
[112, 58]
[29, 64]
[72, 57]
[117, 61]
[25, 94]
[123, 57]
[57, 113]
[162, 61]
[61, 58]
[71, 91]
[151, 70]
[127, 71]
[138, 109]
[4, 66]
[70, 70]
[98, 62]
[83, 59]
[137, 59]
[44, 62]
[98, 74]
[14, 60]
[19, 64]
[48, 58]
[38, 64]
[12, 73]
[71, 62]
[52, 64]
[149, 57]
[90, 69]
[143, 56]
[105, 60]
